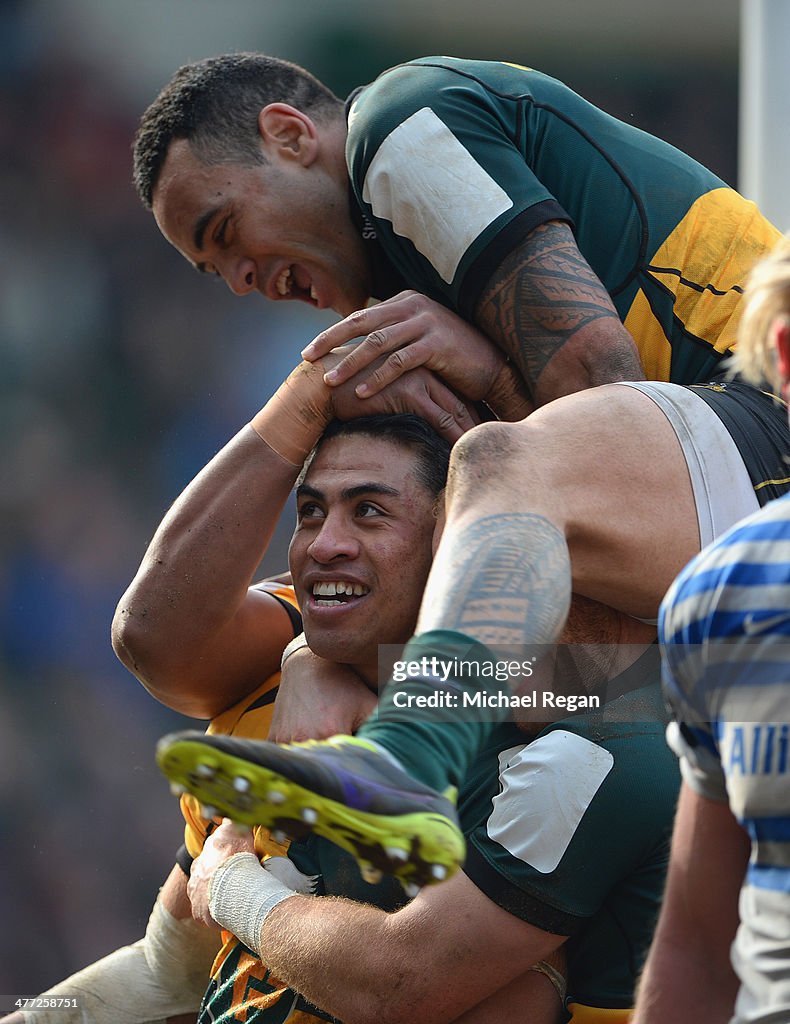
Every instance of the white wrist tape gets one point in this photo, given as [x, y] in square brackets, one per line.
[157, 977]
[297, 644]
[242, 895]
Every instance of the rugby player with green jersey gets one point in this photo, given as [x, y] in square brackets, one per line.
[583, 248]
[366, 510]
[568, 832]
[454, 162]
[367, 505]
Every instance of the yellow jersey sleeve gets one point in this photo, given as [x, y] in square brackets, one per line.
[250, 718]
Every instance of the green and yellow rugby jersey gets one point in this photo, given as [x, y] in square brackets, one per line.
[249, 718]
[454, 162]
[574, 838]
[569, 831]
[253, 988]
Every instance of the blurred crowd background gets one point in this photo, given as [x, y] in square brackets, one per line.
[122, 371]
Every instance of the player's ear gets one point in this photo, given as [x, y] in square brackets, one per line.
[780, 331]
[288, 132]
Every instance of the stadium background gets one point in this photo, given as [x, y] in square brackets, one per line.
[121, 372]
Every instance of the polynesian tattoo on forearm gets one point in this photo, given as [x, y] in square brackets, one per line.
[541, 296]
[506, 580]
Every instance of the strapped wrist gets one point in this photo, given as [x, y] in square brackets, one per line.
[242, 895]
[295, 416]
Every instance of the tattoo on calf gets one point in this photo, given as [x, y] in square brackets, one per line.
[509, 580]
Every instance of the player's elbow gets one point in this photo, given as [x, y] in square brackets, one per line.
[407, 992]
[603, 352]
[137, 643]
[127, 638]
[151, 657]
[388, 1006]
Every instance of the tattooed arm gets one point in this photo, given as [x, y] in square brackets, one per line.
[544, 308]
[548, 312]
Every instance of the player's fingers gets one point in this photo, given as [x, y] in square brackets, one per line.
[356, 325]
[399, 309]
[463, 414]
[333, 337]
[376, 345]
[195, 894]
[445, 411]
[394, 366]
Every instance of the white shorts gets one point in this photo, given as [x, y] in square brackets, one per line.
[723, 489]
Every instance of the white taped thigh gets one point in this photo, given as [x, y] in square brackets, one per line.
[723, 490]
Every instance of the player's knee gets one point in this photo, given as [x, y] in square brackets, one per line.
[488, 451]
[493, 456]
[506, 466]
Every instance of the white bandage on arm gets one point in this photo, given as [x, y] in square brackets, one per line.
[241, 896]
[162, 975]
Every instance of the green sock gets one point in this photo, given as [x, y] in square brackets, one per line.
[438, 744]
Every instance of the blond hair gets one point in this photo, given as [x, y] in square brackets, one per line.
[766, 298]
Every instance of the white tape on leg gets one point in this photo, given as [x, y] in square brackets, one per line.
[162, 975]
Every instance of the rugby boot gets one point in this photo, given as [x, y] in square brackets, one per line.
[344, 788]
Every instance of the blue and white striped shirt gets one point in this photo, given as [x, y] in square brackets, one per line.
[724, 628]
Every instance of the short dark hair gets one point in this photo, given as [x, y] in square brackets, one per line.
[214, 103]
[406, 429]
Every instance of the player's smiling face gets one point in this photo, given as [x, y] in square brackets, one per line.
[361, 550]
[281, 228]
